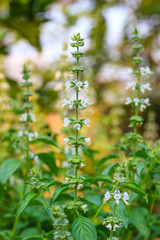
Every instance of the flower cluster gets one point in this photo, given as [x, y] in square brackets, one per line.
[36, 180]
[27, 117]
[60, 223]
[119, 179]
[31, 156]
[140, 74]
[112, 223]
[31, 135]
[139, 86]
[117, 196]
[71, 103]
[139, 103]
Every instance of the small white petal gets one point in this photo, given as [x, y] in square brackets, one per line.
[128, 100]
[66, 122]
[86, 121]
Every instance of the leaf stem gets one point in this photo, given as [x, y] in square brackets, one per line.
[77, 98]
[14, 228]
[98, 211]
[111, 232]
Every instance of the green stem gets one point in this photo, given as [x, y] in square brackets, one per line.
[98, 211]
[47, 205]
[135, 126]
[111, 232]
[77, 98]
[27, 145]
[151, 208]
[14, 228]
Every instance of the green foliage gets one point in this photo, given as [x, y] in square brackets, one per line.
[83, 229]
[24, 202]
[8, 168]
[139, 218]
[62, 208]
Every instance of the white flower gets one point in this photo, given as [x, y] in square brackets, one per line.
[79, 84]
[66, 122]
[131, 85]
[77, 126]
[88, 140]
[82, 165]
[109, 226]
[36, 134]
[20, 134]
[145, 86]
[70, 103]
[30, 115]
[66, 180]
[145, 71]
[68, 85]
[136, 101]
[66, 140]
[115, 226]
[85, 102]
[80, 186]
[85, 85]
[130, 70]
[65, 102]
[73, 150]
[65, 164]
[107, 196]
[142, 107]
[125, 198]
[31, 155]
[26, 133]
[146, 101]
[36, 158]
[128, 100]
[23, 117]
[30, 136]
[86, 121]
[84, 207]
[117, 196]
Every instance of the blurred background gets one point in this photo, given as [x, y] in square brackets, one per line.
[38, 32]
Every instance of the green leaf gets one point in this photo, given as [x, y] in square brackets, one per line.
[89, 152]
[135, 188]
[58, 191]
[120, 212]
[8, 168]
[136, 119]
[45, 139]
[49, 160]
[110, 169]
[50, 182]
[33, 237]
[24, 202]
[93, 198]
[140, 167]
[106, 158]
[84, 229]
[139, 218]
[103, 178]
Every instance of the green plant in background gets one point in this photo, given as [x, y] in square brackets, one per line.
[139, 86]
[24, 136]
[112, 204]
